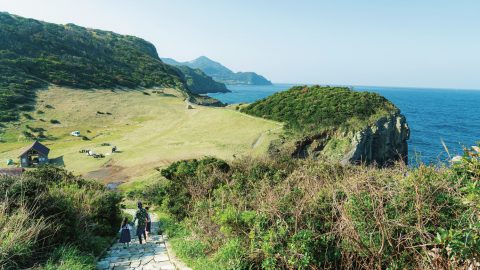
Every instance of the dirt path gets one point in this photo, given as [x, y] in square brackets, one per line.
[260, 137]
[150, 255]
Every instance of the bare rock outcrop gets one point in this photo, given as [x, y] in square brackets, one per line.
[382, 143]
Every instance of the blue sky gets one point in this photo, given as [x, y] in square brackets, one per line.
[423, 43]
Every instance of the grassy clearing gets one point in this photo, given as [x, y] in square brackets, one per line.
[149, 130]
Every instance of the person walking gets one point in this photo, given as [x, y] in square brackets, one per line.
[148, 228]
[125, 236]
[142, 216]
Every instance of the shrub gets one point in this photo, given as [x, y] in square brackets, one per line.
[28, 116]
[51, 207]
[54, 121]
[180, 175]
[301, 214]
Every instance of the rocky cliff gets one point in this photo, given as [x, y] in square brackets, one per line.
[336, 123]
[382, 143]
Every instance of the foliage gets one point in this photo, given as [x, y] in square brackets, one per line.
[180, 173]
[313, 108]
[303, 214]
[49, 207]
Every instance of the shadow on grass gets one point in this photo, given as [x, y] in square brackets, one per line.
[58, 161]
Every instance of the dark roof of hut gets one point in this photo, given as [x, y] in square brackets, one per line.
[40, 148]
[11, 171]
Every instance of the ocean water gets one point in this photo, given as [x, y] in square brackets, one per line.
[434, 115]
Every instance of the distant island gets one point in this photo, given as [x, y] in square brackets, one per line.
[219, 72]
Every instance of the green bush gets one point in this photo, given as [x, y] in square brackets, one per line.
[180, 175]
[303, 214]
[48, 207]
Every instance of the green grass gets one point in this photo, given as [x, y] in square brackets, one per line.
[137, 183]
[188, 249]
[70, 258]
[336, 148]
[149, 131]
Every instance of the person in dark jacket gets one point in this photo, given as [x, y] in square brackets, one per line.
[148, 228]
[141, 215]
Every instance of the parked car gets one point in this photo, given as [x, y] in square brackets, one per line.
[75, 133]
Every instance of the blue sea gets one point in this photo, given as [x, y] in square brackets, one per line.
[434, 115]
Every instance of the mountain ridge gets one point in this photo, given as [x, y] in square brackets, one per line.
[219, 72]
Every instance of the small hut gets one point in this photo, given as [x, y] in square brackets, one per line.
[35, 154]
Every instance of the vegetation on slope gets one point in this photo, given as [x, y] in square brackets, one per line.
[17, 91]
[34, 54]
[314, 108]
[300, 214]
[221, 73]
[200, 83]
[50, 217]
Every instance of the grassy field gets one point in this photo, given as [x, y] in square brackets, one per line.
[149, 129]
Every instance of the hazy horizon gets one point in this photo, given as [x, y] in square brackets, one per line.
[432, 44]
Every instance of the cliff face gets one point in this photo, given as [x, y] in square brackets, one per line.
[382, 143]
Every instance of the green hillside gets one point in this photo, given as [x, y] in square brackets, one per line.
[200, 83]
[313, 108]
[34, 54]
[221, 73]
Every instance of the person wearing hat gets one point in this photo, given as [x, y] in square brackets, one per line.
[142, 217]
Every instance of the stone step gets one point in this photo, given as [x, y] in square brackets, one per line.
[151, 255]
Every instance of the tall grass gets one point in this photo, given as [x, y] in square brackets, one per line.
[19, 233]
[47, 211]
